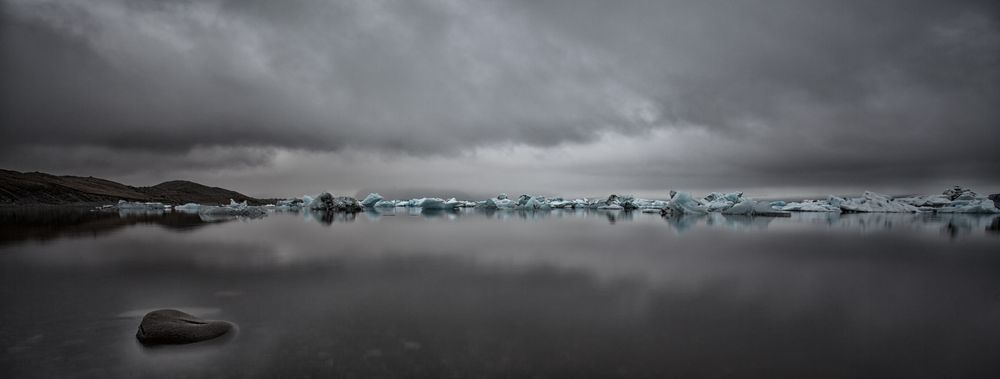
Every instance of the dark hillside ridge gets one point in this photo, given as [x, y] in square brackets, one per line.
[36, 188]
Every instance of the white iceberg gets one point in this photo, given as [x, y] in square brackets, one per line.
[500, 201]
[810, 206]
[534, 202]
[978, 205]
[189, 207]
[744, 207]
[683, 203]
[122, 204]
[872, 202]
[370, 200]
[385, 204]
[431, 203]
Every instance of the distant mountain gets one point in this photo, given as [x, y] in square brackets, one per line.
[32, 188]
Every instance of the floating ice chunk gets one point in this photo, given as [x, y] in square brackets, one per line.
[932, 201]
[498, 202]
[189, 207]
[329, 203]
[234, 209]
[535, 202]
[122, 204]
[385, 204]
[560, 204]
[682, 203]
[735, 197]
[765, 209]
[958, 192]
[431, 203]
[977, 205]
[370, 200]
[876, 202]
[744, 207]
[810, 206]
[718, 204]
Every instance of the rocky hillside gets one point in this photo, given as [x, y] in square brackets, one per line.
[33, 188]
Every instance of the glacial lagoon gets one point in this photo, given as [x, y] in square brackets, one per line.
[501, 293]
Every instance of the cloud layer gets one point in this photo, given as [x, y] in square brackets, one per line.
[778, 92]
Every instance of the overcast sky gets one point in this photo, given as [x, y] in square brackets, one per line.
[575, 97]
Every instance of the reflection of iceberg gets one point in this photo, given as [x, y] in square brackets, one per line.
[126, 212]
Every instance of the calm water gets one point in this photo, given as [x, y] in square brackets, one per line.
[504, 294]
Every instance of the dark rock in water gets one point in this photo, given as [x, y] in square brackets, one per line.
[329, 203]
[996, 199]
[170, 326]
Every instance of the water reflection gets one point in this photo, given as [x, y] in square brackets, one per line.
[43, 223]
[473, 293]
[46, 223]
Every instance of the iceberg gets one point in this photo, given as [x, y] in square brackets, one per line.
[743, 207]
[810, 206]
[874, 202]
[953, 200]
[122, 204]
[370, 200]
[500, 201]
[329, 203]
[980, 204]
[188, 208]
[385, 204]
[234, 209]
[959, 192]
[432, 203]
[533, 202]
[290, 204]
[683, 203]
[307, 200]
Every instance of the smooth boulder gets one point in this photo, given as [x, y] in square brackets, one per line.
[170, 326]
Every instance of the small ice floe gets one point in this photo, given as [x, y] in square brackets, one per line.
[122, 204]
[234, 209]
[188, 208]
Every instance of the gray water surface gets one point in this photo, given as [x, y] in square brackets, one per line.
[504, 294]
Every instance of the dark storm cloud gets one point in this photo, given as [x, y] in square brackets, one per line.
[816, 91]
